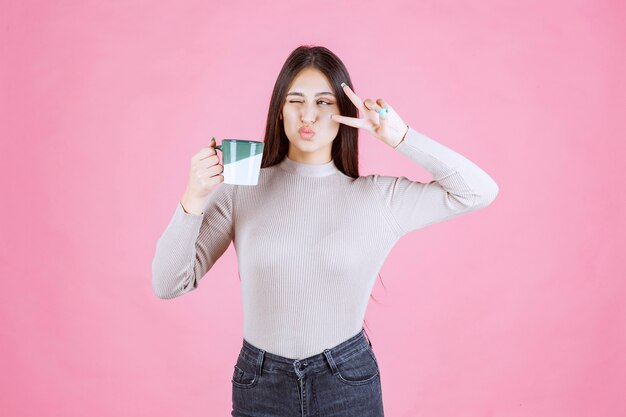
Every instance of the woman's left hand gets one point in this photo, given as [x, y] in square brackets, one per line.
[386, 127]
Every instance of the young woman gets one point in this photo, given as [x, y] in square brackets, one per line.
[311, 238]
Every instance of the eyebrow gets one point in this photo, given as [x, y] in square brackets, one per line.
[295, 93]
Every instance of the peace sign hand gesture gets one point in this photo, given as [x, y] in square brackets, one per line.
[380, 120]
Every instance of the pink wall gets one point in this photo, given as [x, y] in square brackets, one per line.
[515, 310]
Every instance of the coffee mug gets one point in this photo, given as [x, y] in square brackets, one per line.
[241, 160]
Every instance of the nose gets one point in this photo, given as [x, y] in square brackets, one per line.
[309, 113]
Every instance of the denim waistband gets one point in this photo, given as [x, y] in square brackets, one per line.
[335, 355]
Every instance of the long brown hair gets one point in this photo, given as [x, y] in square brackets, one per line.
[345, 148]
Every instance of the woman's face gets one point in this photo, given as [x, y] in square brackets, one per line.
[309, 103]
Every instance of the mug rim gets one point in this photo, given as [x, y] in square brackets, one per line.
[242, 140]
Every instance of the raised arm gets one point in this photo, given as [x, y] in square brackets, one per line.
[458, 185]
[192, 243]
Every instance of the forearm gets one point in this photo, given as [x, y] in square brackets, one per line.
[174, 259]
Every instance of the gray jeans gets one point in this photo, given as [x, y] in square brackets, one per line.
[342, 381]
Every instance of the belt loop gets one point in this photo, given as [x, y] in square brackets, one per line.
[260, 361]
[331, 361]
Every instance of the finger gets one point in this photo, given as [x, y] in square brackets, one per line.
[382, 103]
[209, 161]
[373, 111]
[212, 171]
[383, 109]
[207, 151]
[370, 104]
[350, 121]
[353, 97]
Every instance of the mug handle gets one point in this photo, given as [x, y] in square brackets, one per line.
[218, 147]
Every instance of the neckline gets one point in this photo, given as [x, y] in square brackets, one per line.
[308, 170]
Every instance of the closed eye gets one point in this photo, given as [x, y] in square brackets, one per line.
[320, 101]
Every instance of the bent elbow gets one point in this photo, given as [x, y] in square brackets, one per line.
[488, 195]
[159, 288]
[159, 292]
[167, 288]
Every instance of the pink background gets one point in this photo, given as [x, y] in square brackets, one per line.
[514, 310]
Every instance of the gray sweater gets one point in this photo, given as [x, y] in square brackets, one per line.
[310, 241]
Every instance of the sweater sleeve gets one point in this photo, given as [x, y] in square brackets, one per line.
[192, 243]
[458, 185]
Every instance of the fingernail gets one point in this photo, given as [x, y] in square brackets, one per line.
[343, 85]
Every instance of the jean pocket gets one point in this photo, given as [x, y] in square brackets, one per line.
[245, 374]
[359, 369]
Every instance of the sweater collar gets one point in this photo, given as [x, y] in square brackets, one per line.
[308, 170]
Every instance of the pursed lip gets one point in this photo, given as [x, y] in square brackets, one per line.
[305, 130]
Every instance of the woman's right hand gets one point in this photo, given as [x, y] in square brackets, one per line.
[205, 173]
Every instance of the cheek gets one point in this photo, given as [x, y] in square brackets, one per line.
[289, 114]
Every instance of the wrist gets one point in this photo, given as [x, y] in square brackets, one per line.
[192, 206]
[403, 136]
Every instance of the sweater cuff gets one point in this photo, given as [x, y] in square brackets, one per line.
[187, 218]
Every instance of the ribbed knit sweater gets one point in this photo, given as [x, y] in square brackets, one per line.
[310, 241]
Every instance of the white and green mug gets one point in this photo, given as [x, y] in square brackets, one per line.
[241, 160]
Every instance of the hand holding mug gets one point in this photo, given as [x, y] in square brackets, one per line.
[205, 173]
